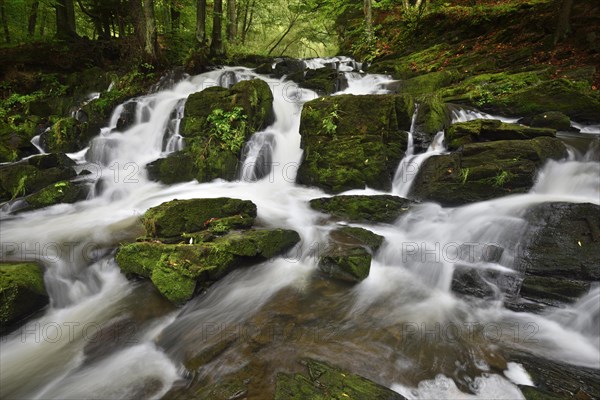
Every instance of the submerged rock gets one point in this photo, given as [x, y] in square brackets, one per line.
[22, 291]
[323, 381]
[378, 208]
[482, 171]
[60, 192]
[35, 173]
[352, 141]
[216, 125]
[487, 130]
[560, 259]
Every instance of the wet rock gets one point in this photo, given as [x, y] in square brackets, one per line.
[348, 264]
[551, 119]
[60, 192]
[351, 141]
[22, 291]
[560, 258]
[216, 125]
[324, 81]
[353, 236]
[288, 66]
[127, 117]
[323, 381]
[176, 217]
[66, 135]
[482, 171]
[176, 269]
[486, 130]
[29, 176]
[378, 208]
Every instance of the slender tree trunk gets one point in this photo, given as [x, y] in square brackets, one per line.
[368, 10]
[43, 20]
[175, 17]
[563, 27]
[287, 31]
[248, 20]
[4, 22]
[201, 23]
[216, 45]
[231, 17]
[65, 20]
[33, 18]
[150, 36]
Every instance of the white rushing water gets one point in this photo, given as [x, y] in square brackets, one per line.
[74, 243]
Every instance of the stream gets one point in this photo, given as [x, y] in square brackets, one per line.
[103, 336]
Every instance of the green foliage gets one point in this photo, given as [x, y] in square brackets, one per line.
[464, 175]
[330, 121]
[19, 190]
[502, 177]
[229, 127]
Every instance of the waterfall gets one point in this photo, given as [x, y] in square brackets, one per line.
[409, 281]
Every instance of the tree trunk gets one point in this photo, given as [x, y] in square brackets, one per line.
[150, 37]
[4, 22]
[563, 27]
[175, 17]
[216, 45]
[248, 20]
[231, 16]
[287, 31]
[43, 20]
[201, 23]
[368, 10]
[65, 20]
[33, 18]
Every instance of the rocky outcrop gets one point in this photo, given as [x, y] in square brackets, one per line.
[482, 171]
[60, 192]
[324, 81]
[348, 255]
[551, 119]
[192, 243]
[22, 291]
[560, 259]
[28, 176]
[378, 208]
[323, 381]
[352, 141]
[489, 130]
[216, 125]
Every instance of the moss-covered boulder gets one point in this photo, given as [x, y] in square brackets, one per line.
[482, 171]
[177, 217]
[486, 130]
[560, 259]
[22, 291]
[378, 208]
[324, 81]
[551, 119]
[352, 141]
[321, 381]
[15, 142]
[354, 236]
[67, 135]
[31, 175]
[176, 269]
[60, 192]
[217, 123]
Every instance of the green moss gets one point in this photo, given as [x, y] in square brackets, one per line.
[174, 285]
[379, 208]
[321, 381]
[352, 265]
[353, 235]
[22, 290]
[61, 192]
[173, 218]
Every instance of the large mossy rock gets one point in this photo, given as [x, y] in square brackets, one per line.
[561, 258]
[321, 381]
[29, 176]
[551, 119]
[176, 217]
[22, 291]
[486, 130]
[324, 81]
[60, 192]
[67, 135]
[352, 141]
[217, 123]
[482, 171]
[176, 269]
[194, 242]
[378, 208]
[348, 255]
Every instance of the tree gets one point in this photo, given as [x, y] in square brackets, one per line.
[4, 22]
[201, 23]
[33, 17]
[216, 45]
[144, 22]
[563, 27]
[368, 10]
[231, 20]
[65, 20]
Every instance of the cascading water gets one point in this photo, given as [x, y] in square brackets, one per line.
[409, 280]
